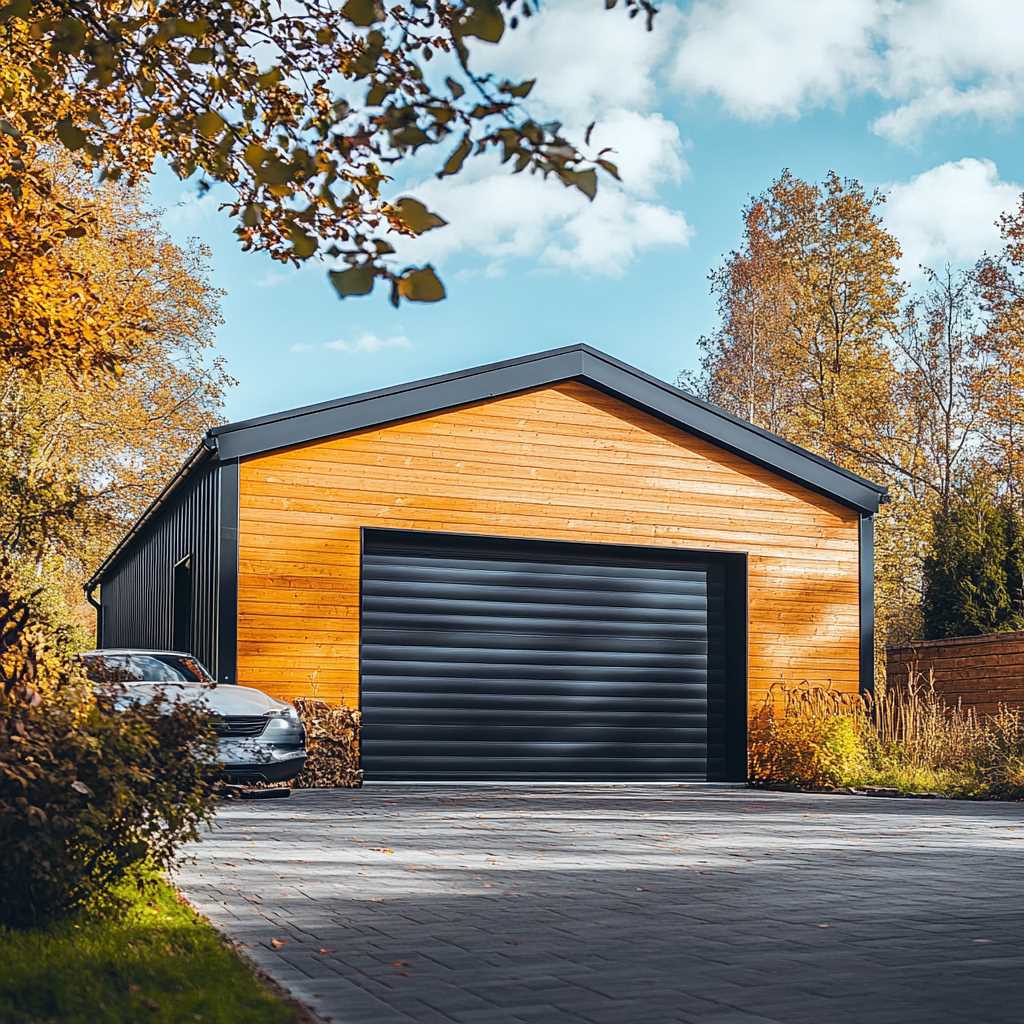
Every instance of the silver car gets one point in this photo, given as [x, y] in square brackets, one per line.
[260, 739]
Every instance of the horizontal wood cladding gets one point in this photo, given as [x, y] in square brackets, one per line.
[565, 462]
[982, 672]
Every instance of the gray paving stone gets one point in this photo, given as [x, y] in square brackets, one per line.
[609, 905]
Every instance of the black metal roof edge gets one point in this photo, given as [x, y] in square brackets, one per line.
[491, 380]
[203, 451]
[396, 389]
[723, 414]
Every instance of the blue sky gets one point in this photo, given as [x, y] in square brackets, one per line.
[920, 98]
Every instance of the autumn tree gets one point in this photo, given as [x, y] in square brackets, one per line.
[819, 342]
[806, 304]
[303, 109]
[748, 365]
[1001, 385]
[78, 463]
[808, 307]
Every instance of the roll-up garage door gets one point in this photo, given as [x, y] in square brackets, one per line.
[493, 659]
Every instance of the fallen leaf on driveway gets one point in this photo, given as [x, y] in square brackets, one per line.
[278, 943]
[324, 951]
[382, 849]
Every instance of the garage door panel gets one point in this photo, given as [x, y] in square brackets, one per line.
[577, 687]
[490, 737]
[405, 562]
[491, 750]
[389, 654]
[398, 704]
[547, 600]
[560, 769]
[687, 628]
[516, 718]
[524, 659]
[467, 641]
[620, 615]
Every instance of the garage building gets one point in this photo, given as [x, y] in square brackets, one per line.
[551, 568]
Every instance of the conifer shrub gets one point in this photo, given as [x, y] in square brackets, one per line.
[973, 575]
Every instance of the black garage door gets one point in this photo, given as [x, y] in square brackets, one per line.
[497, 659]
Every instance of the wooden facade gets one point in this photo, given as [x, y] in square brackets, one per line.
[560, 462]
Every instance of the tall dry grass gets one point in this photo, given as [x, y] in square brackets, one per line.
[905, 737]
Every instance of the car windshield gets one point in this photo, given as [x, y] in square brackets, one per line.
[144, 668]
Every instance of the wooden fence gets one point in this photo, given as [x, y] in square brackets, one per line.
[981, 671]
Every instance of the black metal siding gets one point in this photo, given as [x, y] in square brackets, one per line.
[136, 592]
[511, 659]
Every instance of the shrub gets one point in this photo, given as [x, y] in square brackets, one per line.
[806, 736]
[906, 738]
[973, 573]
[88, 793]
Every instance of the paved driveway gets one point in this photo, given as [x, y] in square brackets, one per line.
[625, 904]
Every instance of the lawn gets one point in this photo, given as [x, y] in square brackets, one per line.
[158, 962]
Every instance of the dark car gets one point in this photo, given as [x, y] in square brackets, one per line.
[260, 739]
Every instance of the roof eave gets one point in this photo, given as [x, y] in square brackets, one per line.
[206, 449]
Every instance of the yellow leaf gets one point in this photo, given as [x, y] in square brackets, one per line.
[303, 245]
[484, 21]
[361, 12]
[458, 157]
[210, 124]
[416, 217]
[70, 134]
[354, 281]
[421, 285]
[254, 154]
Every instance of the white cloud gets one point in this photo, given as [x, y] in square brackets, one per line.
[928, 60]
[364, 343]
[586, 60]
[951, 58]
[367, 342]
[591, 65]
[948, 213]
[499, 217]
[765, 59]
[276, 278]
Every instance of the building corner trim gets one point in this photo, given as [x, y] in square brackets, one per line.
[866, 539]
[227, 575]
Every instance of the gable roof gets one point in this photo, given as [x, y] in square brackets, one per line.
[575, 362]
[582, 363]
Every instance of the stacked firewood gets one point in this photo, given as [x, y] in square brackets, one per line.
[332, 745]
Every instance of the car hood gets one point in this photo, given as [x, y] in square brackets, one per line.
[228, 699]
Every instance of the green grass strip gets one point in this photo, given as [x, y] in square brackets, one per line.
[159, 962]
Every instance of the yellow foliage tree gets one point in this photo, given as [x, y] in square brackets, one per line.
[1000, 384]
[301, 108]
[79, 460]
[806, 305]
[820, 342]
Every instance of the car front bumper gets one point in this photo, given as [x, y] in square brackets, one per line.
[250, 760]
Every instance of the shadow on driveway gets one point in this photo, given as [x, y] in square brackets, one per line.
[620, 904]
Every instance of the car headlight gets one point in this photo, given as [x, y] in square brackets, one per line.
[286, 719]
[289, 712]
